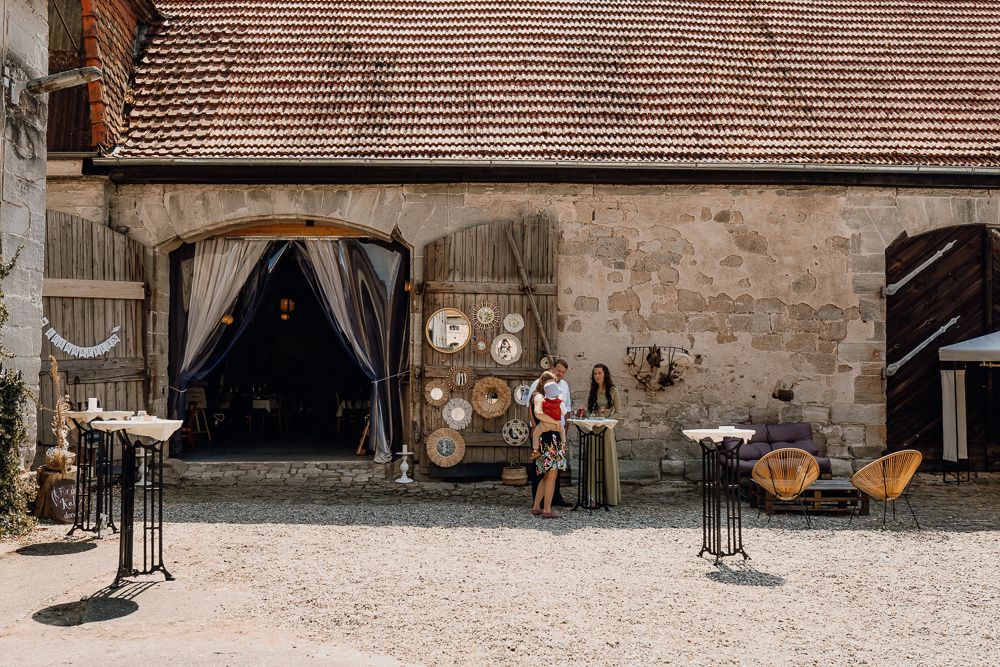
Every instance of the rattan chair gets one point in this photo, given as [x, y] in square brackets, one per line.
[887, 478]
[786, 473]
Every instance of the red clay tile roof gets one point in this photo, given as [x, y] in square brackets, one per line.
[885, 82]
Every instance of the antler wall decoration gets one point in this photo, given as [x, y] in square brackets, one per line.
[657, 366]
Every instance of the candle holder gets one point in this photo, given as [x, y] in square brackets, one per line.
[404, 467]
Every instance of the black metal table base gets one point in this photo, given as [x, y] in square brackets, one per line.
[720, 504]
[152, 511]
[591, 443]
[94, 488]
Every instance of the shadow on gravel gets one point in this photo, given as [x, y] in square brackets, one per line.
[56, 548]
[744, 576]
[104, 605]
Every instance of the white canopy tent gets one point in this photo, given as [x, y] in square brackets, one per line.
[984, 349]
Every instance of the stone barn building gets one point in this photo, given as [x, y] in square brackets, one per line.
[742, 180]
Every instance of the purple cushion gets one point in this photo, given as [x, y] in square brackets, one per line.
[789, 432]
[760, 432]
[754, 450]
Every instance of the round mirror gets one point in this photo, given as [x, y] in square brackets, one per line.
[449, 330]
[491, 398]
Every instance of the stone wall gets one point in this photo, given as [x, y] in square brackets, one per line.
[773, 288]
[22, 194]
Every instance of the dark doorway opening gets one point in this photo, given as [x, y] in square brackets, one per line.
[287, 388]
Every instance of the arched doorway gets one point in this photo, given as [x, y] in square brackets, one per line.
[943, 287]
[290, 346]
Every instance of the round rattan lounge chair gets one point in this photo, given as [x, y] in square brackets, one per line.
[887, 478]
[785, 473]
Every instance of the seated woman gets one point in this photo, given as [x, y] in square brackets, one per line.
[605, 402]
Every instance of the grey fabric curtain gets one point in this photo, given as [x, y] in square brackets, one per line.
[361, 286]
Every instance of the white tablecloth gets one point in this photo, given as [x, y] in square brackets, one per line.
[155, 429]
[589, 425]
[76, 417]
[268, 404]
[719, 434]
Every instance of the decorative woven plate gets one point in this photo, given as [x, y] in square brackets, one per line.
[460, 377]
[486, 315]
[490, 397]
[480, 345]
[513, 322]
[522, 394]
[457, 413]
[515, 432]
[506, 349]
[445, 447]
[437, 392]
[545, 362]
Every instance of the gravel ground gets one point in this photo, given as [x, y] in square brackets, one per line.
[443, 582]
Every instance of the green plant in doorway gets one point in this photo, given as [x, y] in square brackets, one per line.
[14, 395]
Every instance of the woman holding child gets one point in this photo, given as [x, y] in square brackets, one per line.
[548, 442]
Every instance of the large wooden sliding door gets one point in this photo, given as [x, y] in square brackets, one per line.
[94, 290]
[956, 288]
[460, 270]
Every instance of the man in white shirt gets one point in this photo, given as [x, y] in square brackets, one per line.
[558, 369]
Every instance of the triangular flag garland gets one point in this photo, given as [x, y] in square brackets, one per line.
[79, 351]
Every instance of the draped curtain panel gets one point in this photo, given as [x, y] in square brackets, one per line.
[221, 269]
[361, 287]
[954, 435]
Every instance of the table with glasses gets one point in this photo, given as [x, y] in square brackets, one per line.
[591, 443]
[720, 489]
[143, 439]
[94, 470]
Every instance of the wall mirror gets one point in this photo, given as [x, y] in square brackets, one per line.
[449, 330]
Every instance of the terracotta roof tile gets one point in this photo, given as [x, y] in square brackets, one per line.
[814, 81]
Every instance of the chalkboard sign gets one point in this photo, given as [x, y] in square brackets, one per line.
[63, 500]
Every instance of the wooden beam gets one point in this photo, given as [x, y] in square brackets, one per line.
[505, 373]
[87, 371]
[430, 286]
[297, 230]
[93, 289]
[527, 289]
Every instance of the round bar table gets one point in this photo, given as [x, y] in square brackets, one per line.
[720, 490]
[591, 441]
[94, 465]
[156, 432]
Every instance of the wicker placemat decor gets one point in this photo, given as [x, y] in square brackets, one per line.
[429, 392]
[484, 391]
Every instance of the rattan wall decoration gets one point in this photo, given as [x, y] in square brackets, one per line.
[490, 397]
[437, 392]
[513, 323]
[457, 413]
[506, 349]
[486, 315]
[522, 394]
[445, 447]
[460, 377]
[515, 432]
[480, 345]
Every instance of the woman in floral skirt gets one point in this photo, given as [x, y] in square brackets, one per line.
[552, 455]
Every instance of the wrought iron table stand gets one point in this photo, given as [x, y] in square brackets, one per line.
[152, 510]
[94, 493]
[591, 442]
[720, 500]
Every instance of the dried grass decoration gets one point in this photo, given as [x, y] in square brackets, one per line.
[445, 447]
[437, 393]
[460, 377]
[457, 413]
[490, 397]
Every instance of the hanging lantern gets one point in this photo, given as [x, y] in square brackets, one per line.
[287, 305]
[227, 319]
[284, 317]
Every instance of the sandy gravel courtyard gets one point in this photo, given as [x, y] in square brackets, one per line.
[460, 581]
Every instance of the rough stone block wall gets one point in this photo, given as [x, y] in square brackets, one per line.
[775, 289]
[22, 196]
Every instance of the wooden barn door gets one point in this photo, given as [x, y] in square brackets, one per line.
[959, 283]
[461, 270]
[94, 291]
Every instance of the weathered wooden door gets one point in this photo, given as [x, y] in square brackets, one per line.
[94, 298]
[958, 283]
[460, 270]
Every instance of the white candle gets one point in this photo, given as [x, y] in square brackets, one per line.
[404, 449]
[91, 404]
